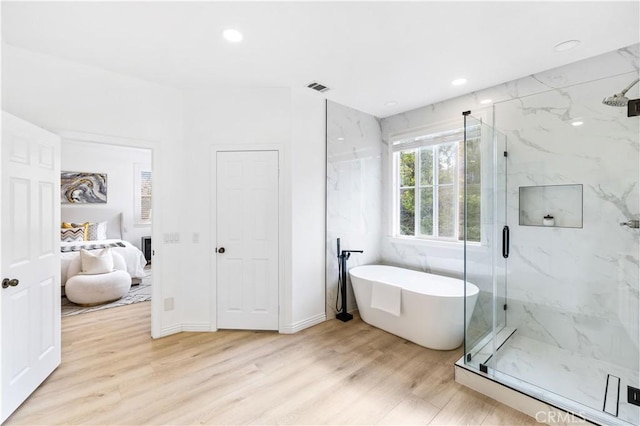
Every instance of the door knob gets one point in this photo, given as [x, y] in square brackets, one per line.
[221, 250]
[7, 282]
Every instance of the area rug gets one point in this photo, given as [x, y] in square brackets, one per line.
[138, 293]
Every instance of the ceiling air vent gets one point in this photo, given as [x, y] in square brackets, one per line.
[317, 86]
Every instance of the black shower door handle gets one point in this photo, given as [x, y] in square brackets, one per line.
[505, 241]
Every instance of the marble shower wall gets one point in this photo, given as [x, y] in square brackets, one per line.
[354, 181]
[574, 288]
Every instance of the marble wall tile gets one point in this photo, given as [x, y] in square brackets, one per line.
[354, 181]
[573, 288]
[562, 202]
[570, 284]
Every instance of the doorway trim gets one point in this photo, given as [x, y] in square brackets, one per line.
[155, 148]
[283, 231]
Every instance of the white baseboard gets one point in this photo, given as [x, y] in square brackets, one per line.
[197, 326]
[206, 327]
[178, 328]
[167, 331]
[301, 325]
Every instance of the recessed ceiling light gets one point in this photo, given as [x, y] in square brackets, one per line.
[234, 36]
[486, 101]
[391, 103]
[459, 81]
[577, 123]
[340, 138]
[566, 45]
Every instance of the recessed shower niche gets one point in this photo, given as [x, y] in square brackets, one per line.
[557, 206]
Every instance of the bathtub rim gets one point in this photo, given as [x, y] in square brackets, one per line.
[475, 289]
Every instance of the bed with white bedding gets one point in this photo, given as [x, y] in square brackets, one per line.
[112, 237]
[133, 257]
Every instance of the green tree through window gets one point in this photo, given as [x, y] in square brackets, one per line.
[430, 188]
[407, 193]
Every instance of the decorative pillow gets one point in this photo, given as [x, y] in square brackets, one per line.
[101, 231]
[71, 234]
[98, 263]
[86, 229]
[92, 232]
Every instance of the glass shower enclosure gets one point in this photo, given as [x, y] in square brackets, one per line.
[557, 317]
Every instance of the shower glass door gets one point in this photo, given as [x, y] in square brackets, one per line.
[573, 282]
[484, 211]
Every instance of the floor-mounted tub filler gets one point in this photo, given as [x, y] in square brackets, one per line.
[424, 308]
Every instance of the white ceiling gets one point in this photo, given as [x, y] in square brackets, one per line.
[368, 53]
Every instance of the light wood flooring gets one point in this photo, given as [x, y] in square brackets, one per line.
[112, 372]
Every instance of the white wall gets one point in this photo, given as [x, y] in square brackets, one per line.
[219, 118]
[64, 96]
[74, 99]
[308, 161]
[264, 118]
[118, 163]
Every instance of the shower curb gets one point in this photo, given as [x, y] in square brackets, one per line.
[543, 412]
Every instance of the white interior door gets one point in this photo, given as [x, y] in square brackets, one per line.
[29, 259]
[247, 239]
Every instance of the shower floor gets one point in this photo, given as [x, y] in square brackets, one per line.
[572, 375]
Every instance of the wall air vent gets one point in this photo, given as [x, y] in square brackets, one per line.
[317, 86]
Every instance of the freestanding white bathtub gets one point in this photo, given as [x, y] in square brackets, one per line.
[424, 308]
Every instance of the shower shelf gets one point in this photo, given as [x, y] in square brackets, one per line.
[563, 202]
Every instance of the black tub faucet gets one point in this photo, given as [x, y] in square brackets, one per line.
[344, 255]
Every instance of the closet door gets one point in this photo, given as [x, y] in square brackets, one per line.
[247, 239]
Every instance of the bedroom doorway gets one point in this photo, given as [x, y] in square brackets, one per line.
[123, 219]
[247, 240]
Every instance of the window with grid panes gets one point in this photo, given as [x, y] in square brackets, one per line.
[429, 186]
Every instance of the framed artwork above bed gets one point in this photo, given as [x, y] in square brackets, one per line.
[83, 188]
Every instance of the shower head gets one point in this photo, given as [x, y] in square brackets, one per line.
[619, 99]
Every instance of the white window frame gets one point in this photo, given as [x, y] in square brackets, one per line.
[138, 168]
[433, 135]
[435, 186]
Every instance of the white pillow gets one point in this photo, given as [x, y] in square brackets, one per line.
[99, 263]
[102, 230]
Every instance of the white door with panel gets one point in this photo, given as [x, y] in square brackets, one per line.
[247, 239]
[29, 258]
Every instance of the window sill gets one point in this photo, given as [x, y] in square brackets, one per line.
[443, 244]
[426, 242]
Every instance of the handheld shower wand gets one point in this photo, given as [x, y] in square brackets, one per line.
[343, 256]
